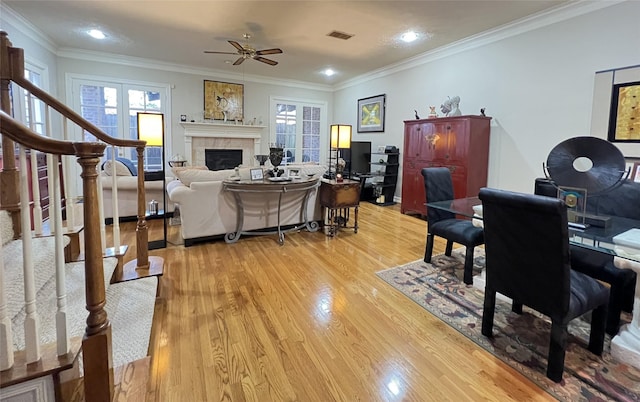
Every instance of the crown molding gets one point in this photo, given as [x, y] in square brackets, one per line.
[132, 61]
[542, 19]
[26, 28]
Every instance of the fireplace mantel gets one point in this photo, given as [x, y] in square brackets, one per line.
[225, 136]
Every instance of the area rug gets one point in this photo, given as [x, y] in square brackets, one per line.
[521, 341]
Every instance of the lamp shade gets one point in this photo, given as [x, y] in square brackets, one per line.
[151, 128]
[340, 136]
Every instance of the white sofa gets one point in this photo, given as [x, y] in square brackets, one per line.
[128, 195]
[127, 184]
[207, 211]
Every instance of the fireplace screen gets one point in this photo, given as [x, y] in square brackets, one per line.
[219, 159]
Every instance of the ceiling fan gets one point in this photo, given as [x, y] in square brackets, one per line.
[248, 52]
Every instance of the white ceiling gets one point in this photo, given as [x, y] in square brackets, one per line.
[177, 32]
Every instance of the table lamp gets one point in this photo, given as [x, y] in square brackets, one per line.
[340, 137]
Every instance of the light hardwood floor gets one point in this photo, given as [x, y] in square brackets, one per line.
[311, 321]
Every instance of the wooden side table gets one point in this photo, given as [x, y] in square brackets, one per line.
[337, 198]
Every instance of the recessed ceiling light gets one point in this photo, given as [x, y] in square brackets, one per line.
[329, 72]
[409, 36]
[96, 33]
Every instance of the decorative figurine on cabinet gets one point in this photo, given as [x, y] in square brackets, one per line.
[455, 103]
[432, 112]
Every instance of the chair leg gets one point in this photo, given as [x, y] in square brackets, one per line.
[488, 311]
[516, 307]
[616, 301]
[557, 348]
[468, 266]
[596, 334]
[449, 248]
[429, 248]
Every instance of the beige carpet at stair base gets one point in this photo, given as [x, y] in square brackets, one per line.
[130, 305]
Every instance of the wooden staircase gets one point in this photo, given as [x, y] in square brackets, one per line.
[56, 361]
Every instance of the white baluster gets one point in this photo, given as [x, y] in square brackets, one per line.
[55, 203]
[32, 320]
[114, 201]
[6, 333]
[35, 183]
[69, 185]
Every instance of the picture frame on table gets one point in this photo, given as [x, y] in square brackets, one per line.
[635, 172]
[371, 113]
[257, 174]
[223, 101]
[293, 173]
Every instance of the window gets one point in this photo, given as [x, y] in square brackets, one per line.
[298, 127]
[31, 111]
[34, 108]
[113, 107]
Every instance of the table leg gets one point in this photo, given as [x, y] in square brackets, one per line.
[233, 237]
[355, 222]
[625, 346]
[280, 234]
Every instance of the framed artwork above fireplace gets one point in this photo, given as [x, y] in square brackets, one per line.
[223, 101]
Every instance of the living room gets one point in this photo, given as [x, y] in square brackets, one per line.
[536, 80]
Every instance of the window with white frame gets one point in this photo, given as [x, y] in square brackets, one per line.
[31, 110]
[297, 128]
[113, 107]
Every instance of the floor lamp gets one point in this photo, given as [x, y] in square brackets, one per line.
[340, 137]
[151, 130]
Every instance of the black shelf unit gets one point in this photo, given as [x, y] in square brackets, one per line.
[383, 173]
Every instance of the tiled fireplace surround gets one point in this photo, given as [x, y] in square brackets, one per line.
[201, 136]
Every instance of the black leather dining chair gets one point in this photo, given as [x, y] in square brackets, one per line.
[527, 260]
[621, 201]
[438, 186]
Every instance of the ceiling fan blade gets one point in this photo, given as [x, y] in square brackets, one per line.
[213, 52]
[269, 51]
[239, 61]
[237, 45]
[264, 60]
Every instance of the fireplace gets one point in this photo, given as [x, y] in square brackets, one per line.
[220, 159]
[201, 136]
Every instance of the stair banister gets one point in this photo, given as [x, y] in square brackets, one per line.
[15, 72]
[96, 344]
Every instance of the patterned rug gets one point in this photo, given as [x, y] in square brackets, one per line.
[521, 341]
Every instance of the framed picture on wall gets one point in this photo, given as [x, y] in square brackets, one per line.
[371, 114]
[223, 101]
[624, 116]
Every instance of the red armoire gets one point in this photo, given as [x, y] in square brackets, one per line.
[460, 143]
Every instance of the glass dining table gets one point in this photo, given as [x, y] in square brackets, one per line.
[611, 240]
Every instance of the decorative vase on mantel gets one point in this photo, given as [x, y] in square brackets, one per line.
[275, 157]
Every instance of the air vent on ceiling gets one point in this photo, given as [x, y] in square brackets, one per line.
[340, 35]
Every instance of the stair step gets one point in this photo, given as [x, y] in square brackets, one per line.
[130, 383]
[49, 363]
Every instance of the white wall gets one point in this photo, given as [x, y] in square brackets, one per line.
[37, 51]
[538, 87]
[187, 95]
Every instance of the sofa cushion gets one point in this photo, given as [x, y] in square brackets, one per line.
[189, 176]
[123, 167]
[176, 169]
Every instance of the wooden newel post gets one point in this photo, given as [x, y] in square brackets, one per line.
[9, 177]
[143, 264]
[96, 344]
[142, 230]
